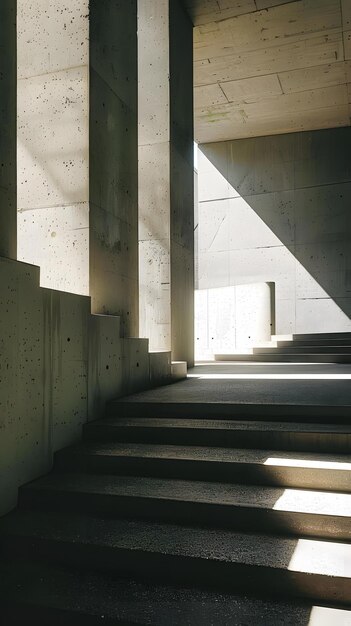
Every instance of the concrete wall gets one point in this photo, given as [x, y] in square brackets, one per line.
[59, 366]
[166, 188]
[232, 319]
[53, 141]
[276, 209]
[8, 201]
[77, 152]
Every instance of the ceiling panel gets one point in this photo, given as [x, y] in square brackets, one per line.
[287, 56]
[246, 89]
[207, 11]
[270, 66]
[315, 77]
[267, 4]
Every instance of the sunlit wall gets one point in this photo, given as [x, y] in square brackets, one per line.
[276, 209]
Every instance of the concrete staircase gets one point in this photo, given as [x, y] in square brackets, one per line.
[304, 348]
[155, 519]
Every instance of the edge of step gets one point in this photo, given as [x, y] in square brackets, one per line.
[304, 567]
[55, 594]
[294, 512]
[253, 466]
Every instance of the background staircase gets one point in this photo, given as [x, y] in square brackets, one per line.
[182, 520]
[310, 348]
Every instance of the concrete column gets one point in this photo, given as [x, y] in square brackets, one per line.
[8, 200]
[113, 180]
[166, 177]
[77, 153]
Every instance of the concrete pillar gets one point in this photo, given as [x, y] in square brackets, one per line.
[8, 200]
[113, 180]
[78, 149]
[166, 177]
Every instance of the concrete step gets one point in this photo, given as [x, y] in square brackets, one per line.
[265, 344]
[309, 342]
[291, 357]
[260, 467]
[297, 349]
[179, 370]
[299, 437]
[215, 558]
[57, 596]
[320, 336]
[334, 411]
[250, 507]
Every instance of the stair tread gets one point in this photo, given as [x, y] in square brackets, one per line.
[197, 423]
[137, 602]
[318, 461]
[323, 343]
[303, 350]
[341, 334]
[294, 352]
[282, 357]
[312, 556]
[198, 492]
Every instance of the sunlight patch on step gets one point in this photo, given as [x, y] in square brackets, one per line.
[315, 502]
[321, 557]
[272, 376]
[323, 616]
[311, 464]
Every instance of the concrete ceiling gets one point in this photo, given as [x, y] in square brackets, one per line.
[270, 66]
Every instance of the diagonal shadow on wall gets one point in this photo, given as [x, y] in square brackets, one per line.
[278, 209]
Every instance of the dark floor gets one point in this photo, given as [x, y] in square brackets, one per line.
[302, 384]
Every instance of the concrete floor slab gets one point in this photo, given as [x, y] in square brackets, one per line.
[267, 384]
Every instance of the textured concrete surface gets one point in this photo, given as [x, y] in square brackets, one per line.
[53, 141]
[59, 367]
[325, 385]
[77, 153]
[140, 422]
[160, 368]
[299, 350]
[288, 357]
[319, 503]
[136, 602]
[235, 318]
[270, 66]
[8, 105]
[113, 161]
[276, 209]
[293, 371]
[213, 454]
[271, 467]
[166, 179]
[306, 555]
[302, 437]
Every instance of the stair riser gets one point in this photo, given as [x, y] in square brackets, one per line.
[313, 343]
[299, 442]
[245, 473]
[176, 511]
[322, 336]
[308, 350]
[184, 570]
[216, 410]
[285, 358]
